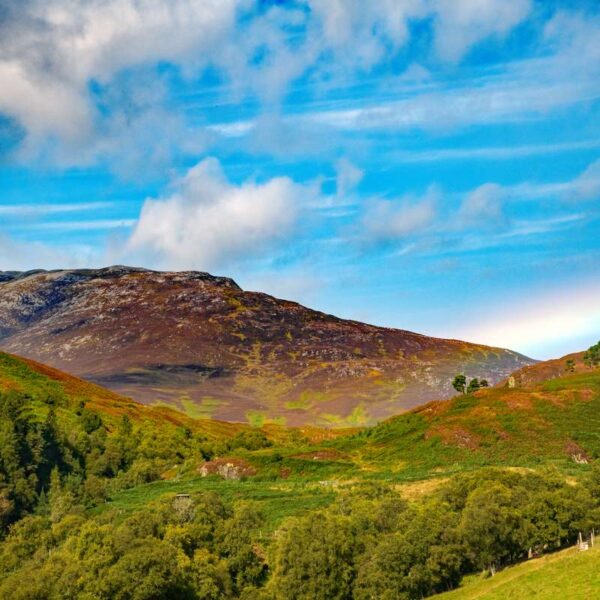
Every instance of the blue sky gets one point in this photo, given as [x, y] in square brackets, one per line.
[432, 165]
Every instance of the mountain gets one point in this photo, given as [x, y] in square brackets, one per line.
[201, 344]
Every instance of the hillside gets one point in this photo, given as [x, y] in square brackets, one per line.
[569, 575]
[201, 344]
[549, 369]
[186, 504]
[41, 383]
[557, 421]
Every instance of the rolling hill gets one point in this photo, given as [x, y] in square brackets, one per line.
[40, 383]
[555, 421]
[419, 455]
[201, 344]
[549, 369]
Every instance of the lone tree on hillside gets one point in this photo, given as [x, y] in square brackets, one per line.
[570, 366]
[592, 357]
[459, 383]
[473, 386]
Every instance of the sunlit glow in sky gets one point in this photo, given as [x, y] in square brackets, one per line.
[431, 165]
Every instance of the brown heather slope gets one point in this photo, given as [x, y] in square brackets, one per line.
[201, 344]
[548, 369]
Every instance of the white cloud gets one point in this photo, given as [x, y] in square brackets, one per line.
[493, 152]
[361, 33]
[587, 185]
[347, 178]
[496, 102]
[392, 220]
[208, 221]
[573, 38]
[50, 51]
[33, 210]
[483, 207]
[45, 106]
[89, 225]
[460, 24]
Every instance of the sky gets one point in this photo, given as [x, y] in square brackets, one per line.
[431, 165]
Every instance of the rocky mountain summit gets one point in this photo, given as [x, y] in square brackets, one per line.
[203, 345]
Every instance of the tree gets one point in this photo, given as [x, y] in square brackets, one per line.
[570, 366]
[421, 558]
[313, 559]
[148, 571]
[459, 383]
[490, 524]
[474, 385]
[236, 544]
[592, 356]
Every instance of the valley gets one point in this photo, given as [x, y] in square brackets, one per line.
[259, 509]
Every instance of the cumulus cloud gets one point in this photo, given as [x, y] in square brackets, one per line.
[361, 33]
[573, 38]
[208, 221]
[51, 50]
[393, 220]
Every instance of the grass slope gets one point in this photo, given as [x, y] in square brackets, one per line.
[277, 501]
[552, 422]
[41, 382]
[568, 575]
[516, 428]
[557, 421]
[287, 480]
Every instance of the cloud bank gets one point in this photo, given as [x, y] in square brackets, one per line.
[61, 59]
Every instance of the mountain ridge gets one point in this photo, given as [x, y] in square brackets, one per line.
[200, 343]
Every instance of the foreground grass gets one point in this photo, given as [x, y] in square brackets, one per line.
[566, 575]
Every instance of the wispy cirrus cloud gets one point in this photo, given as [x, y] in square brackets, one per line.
[82, 226]
[36, 210]
[493, 152]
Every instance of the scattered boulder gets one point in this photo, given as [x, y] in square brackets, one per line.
[227, 468]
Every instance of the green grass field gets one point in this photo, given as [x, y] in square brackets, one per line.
[276, 500]
[566, 575]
